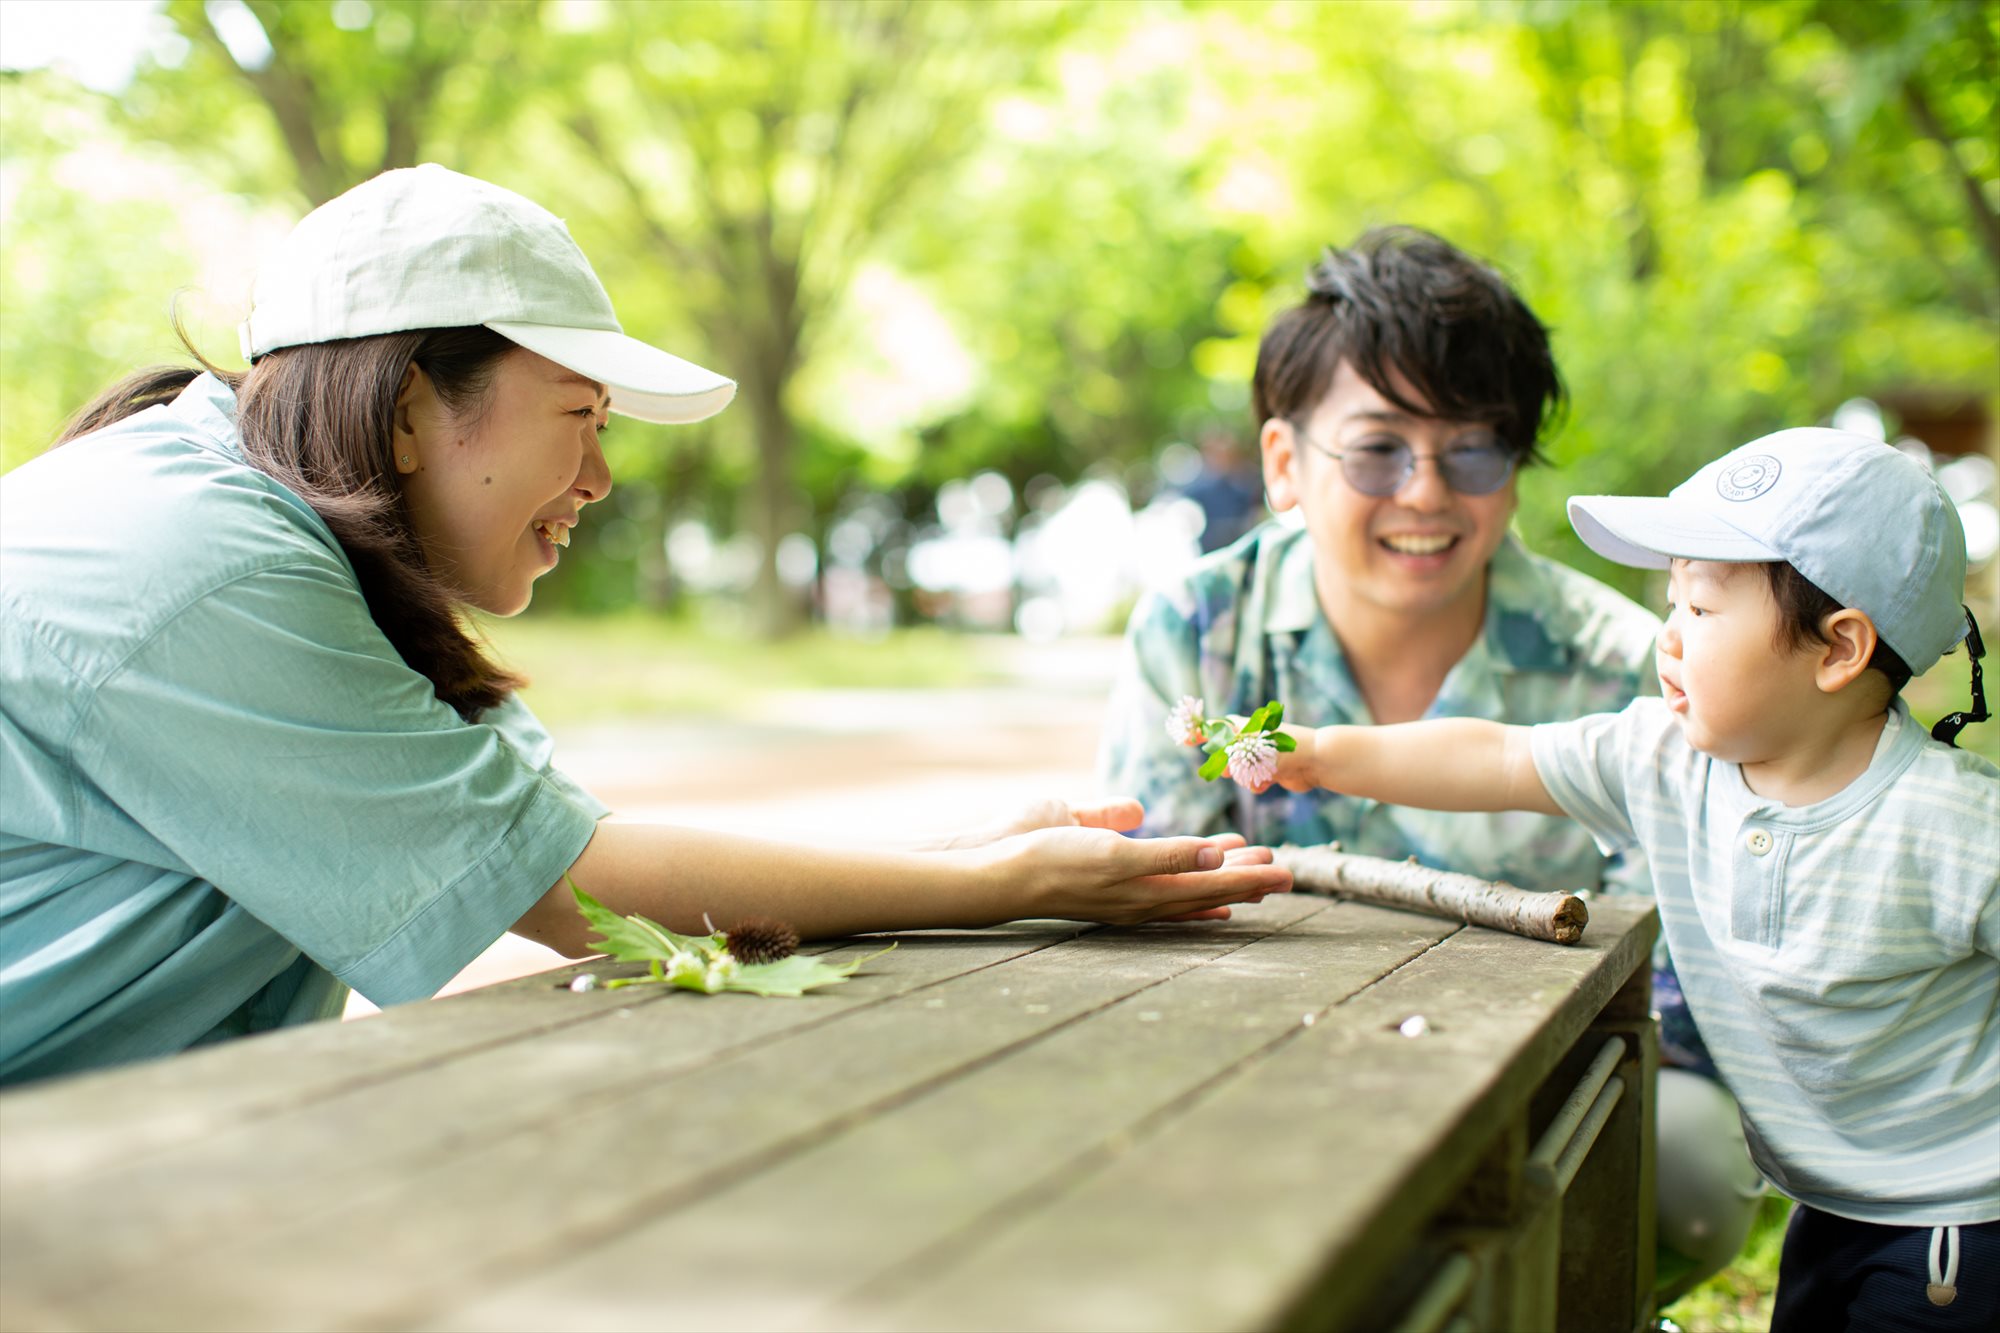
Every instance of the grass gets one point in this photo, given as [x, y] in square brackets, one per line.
[635, 665]
[1738, 1299]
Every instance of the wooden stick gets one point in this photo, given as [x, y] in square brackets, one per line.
[1556, 917]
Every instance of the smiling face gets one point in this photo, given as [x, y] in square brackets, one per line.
[493, 497]
[1739, 696]
[1419, 553]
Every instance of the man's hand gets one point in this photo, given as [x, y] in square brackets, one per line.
[1120, 814]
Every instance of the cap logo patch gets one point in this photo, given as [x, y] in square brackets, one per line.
[1749, 478]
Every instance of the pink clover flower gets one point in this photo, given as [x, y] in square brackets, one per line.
[1253, 760]
[1184, 723]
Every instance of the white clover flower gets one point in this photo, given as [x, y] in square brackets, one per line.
[1184, 723]
[722, 971]
[687, 966]
[1253, 760]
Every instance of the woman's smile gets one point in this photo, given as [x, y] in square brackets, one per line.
[535, 445]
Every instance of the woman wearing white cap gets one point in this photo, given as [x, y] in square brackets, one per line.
[249, 756]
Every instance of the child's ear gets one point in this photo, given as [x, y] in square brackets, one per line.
[1279, 444]
[1850, 642]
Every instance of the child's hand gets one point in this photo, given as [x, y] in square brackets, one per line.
[1297, 768]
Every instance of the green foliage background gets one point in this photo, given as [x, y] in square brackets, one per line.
[1734, 213]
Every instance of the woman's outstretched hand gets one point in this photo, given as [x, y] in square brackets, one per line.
[1048, 860]
[1088, 871]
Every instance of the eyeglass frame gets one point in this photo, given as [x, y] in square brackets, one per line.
[1412, 457]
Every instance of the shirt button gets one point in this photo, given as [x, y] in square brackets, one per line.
[1759, 842]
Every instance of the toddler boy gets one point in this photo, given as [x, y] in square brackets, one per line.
[1828, 876]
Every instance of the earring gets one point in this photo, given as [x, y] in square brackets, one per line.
[406, 460]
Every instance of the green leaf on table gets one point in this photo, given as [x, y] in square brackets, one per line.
[1215, 765]
[634, 939]
[1285, 744]
[701, 963]
[795, 975]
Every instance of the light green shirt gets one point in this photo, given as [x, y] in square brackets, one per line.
[224, 798]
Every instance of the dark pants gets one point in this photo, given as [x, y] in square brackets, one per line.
[1839, 1276]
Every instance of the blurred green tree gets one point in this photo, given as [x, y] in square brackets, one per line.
[1734, 213]
[408, 81]
[765, 152]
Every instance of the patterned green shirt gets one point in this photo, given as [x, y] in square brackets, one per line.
[1246, 627]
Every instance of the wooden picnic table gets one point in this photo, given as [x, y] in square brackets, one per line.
[1043, 1126]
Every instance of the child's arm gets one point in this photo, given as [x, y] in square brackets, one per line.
[1457, 763]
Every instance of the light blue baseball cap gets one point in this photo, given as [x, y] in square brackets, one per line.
[1864, 522]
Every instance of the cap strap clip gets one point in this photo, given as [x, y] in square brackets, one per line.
[1948, 728]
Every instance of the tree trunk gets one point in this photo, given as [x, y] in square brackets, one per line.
[775, 610]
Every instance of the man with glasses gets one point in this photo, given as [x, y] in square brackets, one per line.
[1395, 405]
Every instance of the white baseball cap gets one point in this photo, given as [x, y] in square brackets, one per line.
[428, 248]
[1863, 522]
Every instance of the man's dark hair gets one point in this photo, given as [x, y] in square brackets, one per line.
[1402, 301]
[1803, 606]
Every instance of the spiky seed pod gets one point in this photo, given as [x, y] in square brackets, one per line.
[761, 940]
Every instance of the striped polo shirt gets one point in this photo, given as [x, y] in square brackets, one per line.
[1840, 957]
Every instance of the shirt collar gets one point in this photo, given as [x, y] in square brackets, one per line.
[209, 405]
[1901, 741]
[1294, 605]
[1521, 631]
[1529, 624]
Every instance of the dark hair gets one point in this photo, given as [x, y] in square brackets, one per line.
[1404, 302]
[1803, 607]
[320, 419]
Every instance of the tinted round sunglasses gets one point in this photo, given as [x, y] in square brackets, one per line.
[1475, 464]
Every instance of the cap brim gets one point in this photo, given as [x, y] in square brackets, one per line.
[1651, 531]
[643, 381]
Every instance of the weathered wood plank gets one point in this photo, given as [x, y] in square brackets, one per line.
[456, 1211]
[83, 1124]
[162, 1203]
[1274, 1238]
[945, 1162]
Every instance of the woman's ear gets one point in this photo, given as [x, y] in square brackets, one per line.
[415, 403]
[1279, 444]
[1850, 642]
